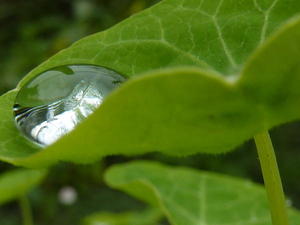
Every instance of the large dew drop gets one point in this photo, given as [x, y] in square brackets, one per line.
[55, 102]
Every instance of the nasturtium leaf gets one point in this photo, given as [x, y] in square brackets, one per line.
[12, 143]
[215, 34]
[270, 78]
[16, 183]
[201, 80]
[192, 197]
[146, 217]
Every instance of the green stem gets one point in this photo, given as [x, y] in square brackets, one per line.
[26, 210]
[272, 178]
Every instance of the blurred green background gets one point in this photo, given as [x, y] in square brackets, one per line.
[33, 30]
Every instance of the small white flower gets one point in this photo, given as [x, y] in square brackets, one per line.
[67, 195]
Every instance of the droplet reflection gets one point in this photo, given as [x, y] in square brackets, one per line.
[55, 102]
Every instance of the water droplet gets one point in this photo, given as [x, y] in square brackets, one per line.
[56, 101]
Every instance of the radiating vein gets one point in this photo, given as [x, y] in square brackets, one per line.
[224, 45]
[219, 7]
[266, 21]
[257, 6]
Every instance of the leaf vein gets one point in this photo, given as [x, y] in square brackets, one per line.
[223, 43]
[266, 21]
[162, 41]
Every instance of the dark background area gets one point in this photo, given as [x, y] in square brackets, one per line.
[33, 30]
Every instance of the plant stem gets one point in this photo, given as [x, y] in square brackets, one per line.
[26, 210]
[272, 178]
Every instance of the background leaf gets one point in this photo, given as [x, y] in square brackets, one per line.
[191, 197]
[146, 217]
[16, 183]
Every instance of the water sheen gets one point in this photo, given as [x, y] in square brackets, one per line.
[55, 102]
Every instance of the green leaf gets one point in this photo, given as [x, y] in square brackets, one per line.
[216, 34]
[192, 197]
[196, 85]
[16, 183]
[271, 77]
[146, 217]
[12, 144]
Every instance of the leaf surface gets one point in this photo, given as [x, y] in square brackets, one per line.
[12, 143]
[192, 197]
[215, 34]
